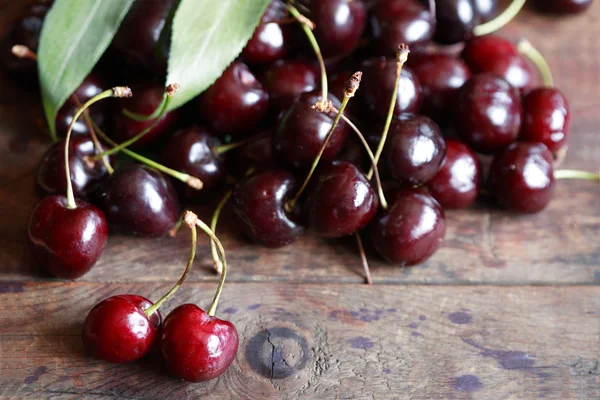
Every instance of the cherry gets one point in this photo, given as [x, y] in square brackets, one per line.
[441, 76]
[140, 201]
[457, 183]
[456, 20]
[495, 55]
[236, 103]
[196, 346]
[522, 177]
[269, 41]
[259, 203]
[488, 113]
[90, 87]
[562, 6]
[401, 21]
[66, 241]
[301, 132]
[285, 80]
[414, 150]
[117, 329]
[376, 91]
[257, 154]
[546, 118]
[146, 100]
[411, 230]
[488, 9]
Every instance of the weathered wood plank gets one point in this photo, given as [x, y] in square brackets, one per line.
[325, 341]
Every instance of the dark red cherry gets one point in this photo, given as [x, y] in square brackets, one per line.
[495, 55]
[117, 329]
[412, 228]
[236, 103]
[339, 25]
[259, 204]
[257, 154]
[145, 101]
[457, 183]
[90, 87]
[285, 80]
[440, 76]
[562, 6]
[192, 150]
[456, 20]
[341, 201]
[414, 150]
[401, 21]
[375, 94]
[488, 113]
[546, 118]
[66, 242]
[85, 175]
[140, 201]
[269, 41]
[195, 346]
[522, 177]
[489, 9]
[301, 132]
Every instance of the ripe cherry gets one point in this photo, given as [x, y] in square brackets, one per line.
[489, 9]
[546, 118]
[90, 87]
[456, 20]
[257, 154]
[488, 113]
[522, 177]
[562, 6]
[269, 41]
[285, 80]
[457, 183]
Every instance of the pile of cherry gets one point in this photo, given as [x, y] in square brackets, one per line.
[299, 161]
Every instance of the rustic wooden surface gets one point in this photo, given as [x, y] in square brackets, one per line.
[508, 308]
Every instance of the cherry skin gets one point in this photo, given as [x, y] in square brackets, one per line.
[522, 177]
[85, 177]
[341, 201]
[117, 330]
[66, 242]
[236, 103]
[441, 76]
[269, 41]
[90, 87]
[496, 55]
[257, 154]
[191, 150]
[145, 101]
[562, 6]
[195, 346]
[401, 21]
[140, 201]
[489, 9]
[339, 25]
[488, 114]
[285, 80]
[415, 150]
[259, 205]
[457, 183]
[375, 94]
[456, 20]
[546, 118]
[412, 228]
[301, 132]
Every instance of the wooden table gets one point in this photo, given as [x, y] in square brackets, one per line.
[509, 308]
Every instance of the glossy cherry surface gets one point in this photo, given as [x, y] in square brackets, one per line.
[488, 113]
[457, 183]
[269, 40]
[546, 118]
[90, 87]
[301, 132]
[441, 76]
[117, 329]
[341, 200]
[456, 20]
[259, 205]
[496, 55]
[66, 242]
[195, 346]
[285, 80]
[414, 150]
[522, 177]
[257, 154]
[562, 6]
[140, 201]
[411, 230]
[236, 103]
[489, 9]
[339, 25]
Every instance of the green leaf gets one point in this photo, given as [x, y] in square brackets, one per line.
[207, 36]
[73, 38]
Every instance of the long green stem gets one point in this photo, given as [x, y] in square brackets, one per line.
[363, 258]
[401, 57]
[143, 118]
[224, 148]
[576, 174]
[152, 309]
[218, 265]
[508, 15]
[525, 47]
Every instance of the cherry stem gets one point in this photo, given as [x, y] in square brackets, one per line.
[307, 27]
[224, 148]
[507, 15]
[190, 180]
[118, 91]
[217, 264]
[152, 309]
[526, 48]
[173, 231]
[21, 51]
[363, 258]
[158, 111]
[401, 57]
[192, 218]
[576, 174]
